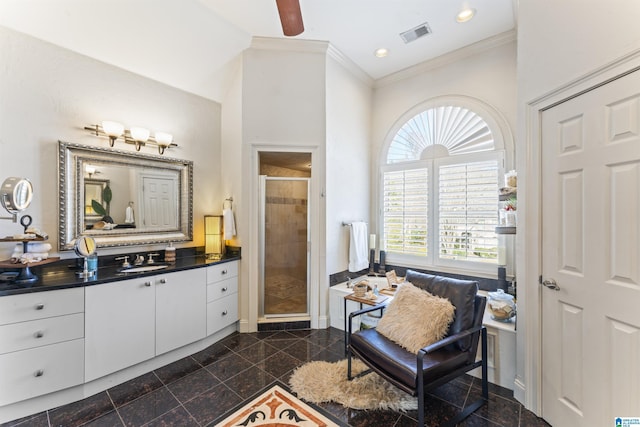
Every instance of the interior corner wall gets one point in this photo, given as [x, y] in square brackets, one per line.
[348, 154]
[49, 93]
[231, 152]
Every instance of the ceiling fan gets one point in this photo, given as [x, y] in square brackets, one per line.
[290, 17]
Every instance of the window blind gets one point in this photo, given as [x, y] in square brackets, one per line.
[467, 211]
[405, 207]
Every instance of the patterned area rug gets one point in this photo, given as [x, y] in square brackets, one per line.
[276, 407]
[321, 381]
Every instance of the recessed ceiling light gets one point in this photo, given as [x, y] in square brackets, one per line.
[381, 53]
[465, 15]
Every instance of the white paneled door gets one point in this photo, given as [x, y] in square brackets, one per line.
[591, 256]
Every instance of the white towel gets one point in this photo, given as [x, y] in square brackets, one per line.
[29, 257]
[34, 247]
[229, 224]
[358, 246]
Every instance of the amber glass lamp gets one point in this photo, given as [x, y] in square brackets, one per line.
[213, 236]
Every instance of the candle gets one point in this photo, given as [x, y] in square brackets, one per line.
[372, 242]
[502, 252]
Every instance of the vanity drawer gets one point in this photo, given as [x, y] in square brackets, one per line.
[29, 373]
[222, 271]
[222, 312]
[37, 333]
[39, 305]
[222, 288]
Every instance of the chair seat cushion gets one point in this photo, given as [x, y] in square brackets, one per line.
[415, 318]
[398, 365]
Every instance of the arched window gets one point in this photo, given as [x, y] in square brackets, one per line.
[440, 184]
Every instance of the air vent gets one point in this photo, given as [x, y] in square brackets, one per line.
[415, 33]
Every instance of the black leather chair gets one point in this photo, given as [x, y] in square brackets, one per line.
[437, 363]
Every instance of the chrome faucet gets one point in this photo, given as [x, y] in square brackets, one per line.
[125, 263]
[151, 260]
[139, 260]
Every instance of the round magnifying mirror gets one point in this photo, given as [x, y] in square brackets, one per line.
[16, 194]
[85, 246]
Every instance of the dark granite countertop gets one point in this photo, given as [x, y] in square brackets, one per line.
[62, 274]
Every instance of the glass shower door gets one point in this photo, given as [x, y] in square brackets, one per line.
[285, 255]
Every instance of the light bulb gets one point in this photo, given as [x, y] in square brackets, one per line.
[113, 130]
[164, 140]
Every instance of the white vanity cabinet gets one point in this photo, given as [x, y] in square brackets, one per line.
[41, 343]
[181, 312]
[222, 296]
[134, 320]
[119, 325]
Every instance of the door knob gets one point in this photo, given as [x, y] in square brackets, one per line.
[551, 284]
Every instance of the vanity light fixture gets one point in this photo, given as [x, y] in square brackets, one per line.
[113, 130]
[163, 140]
[140, 136]
[465, 15]
[91, 170]
[136, 135]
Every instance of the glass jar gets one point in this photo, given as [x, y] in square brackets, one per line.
[501, 305]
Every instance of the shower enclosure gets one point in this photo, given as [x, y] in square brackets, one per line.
[284, 237]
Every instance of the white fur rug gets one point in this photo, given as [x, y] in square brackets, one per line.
[319, 382]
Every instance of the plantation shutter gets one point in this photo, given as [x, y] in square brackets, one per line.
[405, 204]
[468, 209]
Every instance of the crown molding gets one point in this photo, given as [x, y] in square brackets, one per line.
[349, 65]
[312, 46]
[448, 58]
[290, 45]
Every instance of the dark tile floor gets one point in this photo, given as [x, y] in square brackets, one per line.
[198, 389]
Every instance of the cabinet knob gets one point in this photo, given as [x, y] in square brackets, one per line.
[147, 284]
[38, 373]
[38, 334]
[39, 306]
[224, 289]
[223, 272]
[163, 280]
[224, 313]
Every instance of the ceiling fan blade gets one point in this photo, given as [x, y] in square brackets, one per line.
[290, 17]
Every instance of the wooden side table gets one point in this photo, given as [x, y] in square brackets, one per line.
[380, 300]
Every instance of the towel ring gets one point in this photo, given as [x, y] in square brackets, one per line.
[230, 200]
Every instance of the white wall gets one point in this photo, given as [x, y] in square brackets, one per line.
[283, 109]
[558, 42]
[348, 153]
[50, 94]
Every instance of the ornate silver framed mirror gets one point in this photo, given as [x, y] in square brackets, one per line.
[100, 188]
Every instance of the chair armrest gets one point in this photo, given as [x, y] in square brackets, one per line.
[362, 311]
[448, 340]
[366, 310]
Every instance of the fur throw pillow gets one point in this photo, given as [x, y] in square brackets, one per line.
[415, 318]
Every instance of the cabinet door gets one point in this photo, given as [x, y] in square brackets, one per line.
[119, 326]
[181, 304]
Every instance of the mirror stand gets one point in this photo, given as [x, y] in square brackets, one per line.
[85, 247]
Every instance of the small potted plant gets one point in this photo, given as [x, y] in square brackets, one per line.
[510, 207]
[101, 210]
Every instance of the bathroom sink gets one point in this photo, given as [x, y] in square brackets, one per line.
[143, 269]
